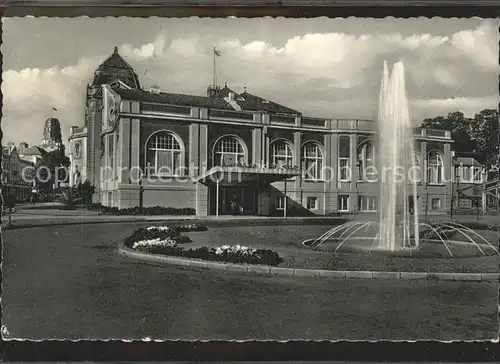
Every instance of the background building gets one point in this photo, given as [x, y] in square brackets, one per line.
[17, 174]
[286, 159]
[51, 139]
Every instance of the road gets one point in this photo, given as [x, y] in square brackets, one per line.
[68, 282]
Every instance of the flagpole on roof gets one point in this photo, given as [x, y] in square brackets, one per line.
[214, 80]
[214, 77]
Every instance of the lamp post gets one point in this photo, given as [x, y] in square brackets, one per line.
[456, 177]
[217, 192]
[141, 193]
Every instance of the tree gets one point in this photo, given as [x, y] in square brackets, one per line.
[458, 125]
[47, 166]
[477, 135]
[484, 128]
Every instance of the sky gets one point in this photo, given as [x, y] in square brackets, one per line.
[322, 67]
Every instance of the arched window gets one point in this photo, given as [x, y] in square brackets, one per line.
[435, 167]
[366, 161]
[229, 151]
[312, 160]
[164, 154]
[281, 154]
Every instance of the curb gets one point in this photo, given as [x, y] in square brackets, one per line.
[70, 223]
[304, 273]
[180, 219]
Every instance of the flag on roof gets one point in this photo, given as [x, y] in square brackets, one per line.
[53, 108]
[216, 52]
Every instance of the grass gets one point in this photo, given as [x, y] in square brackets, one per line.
[286, 241]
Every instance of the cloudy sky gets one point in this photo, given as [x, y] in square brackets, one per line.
[323, 67]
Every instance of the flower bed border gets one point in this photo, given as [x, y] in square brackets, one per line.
[303, 273]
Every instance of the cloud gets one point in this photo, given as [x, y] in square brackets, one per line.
[30, 94]
[332, 75]
[145, 51]
[468, 105]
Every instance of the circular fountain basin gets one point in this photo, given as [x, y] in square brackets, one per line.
[436, 240]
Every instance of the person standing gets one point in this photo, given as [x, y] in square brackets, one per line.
[234, 205]
[34, 193]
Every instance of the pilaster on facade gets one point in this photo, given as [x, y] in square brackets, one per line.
[203, 147]
[423, 162]
[202, 199]
[297, 142]
[353, 142]
[334, 148]
[194, 152]
[124, 141]
[257, 146]
[265, 146]
[135, 143]
[328, 170]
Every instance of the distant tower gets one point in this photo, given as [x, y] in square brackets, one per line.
[52, 138]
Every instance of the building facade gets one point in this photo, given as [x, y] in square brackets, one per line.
[470, 179]
[17, 174]
[230, 152]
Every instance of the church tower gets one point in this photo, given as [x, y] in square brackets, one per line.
[51, 139]
[117, 73]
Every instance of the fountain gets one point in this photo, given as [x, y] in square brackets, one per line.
[398, 230]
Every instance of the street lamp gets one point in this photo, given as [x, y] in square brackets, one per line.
[456, 176]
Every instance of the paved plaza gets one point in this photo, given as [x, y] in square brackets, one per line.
[69, 282]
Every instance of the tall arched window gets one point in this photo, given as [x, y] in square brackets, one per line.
[281, 154]
[344, 158]
[164, 154]
[366, 161]
[229, 151]
[435, 167]
[312, 160]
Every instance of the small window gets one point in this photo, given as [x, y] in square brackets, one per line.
[435, 203]
[280, 202]
[312, 203]
[478, 175]
[367, 203]
[343, 203]
[344, 174]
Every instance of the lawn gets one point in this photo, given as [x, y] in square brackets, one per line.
[286, 240]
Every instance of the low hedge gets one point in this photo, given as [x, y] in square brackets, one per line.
[153, 210]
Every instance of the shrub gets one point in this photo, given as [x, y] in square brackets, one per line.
[85, 191]
[154, 210]
[189, 227]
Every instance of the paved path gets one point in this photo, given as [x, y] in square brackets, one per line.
[68, 282]
[50, 214]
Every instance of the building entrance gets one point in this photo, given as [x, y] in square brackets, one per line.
[234, 200]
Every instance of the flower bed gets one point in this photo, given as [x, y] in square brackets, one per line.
[161, 234]
[164, 240]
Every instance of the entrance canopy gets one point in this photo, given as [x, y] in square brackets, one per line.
[236, 174]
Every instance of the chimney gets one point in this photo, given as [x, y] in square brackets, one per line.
[213, 91]
[231, 96]
[154, 89]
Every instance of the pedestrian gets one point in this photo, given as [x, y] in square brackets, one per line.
[233, 205]
[34, 193]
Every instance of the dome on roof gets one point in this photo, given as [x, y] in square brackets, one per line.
[113, 69]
